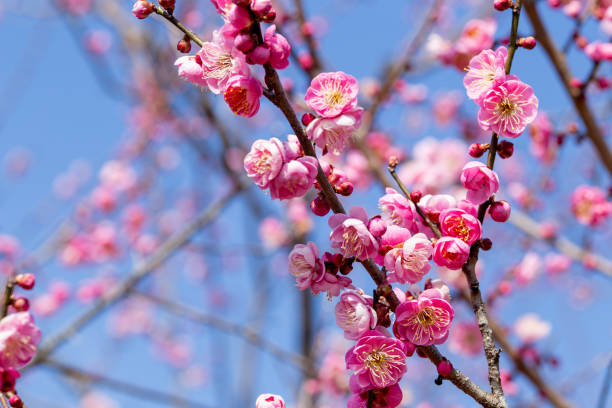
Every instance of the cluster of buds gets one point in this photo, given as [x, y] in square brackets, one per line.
[25, 281]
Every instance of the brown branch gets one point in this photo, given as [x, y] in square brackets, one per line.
[557, 58]
[192, 36]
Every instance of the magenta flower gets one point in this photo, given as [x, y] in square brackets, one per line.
[264, 161]
[222, 6]
[220, 62]
[331, 284]
[400, 210]
[410, 262]
[279, 48]
[351, 236]
[332, 93]
[295, 178]
[459, 224]
[484, 70]
[305, 265]
[18, 340]
[451, 252]
[332, 134]
[269, 401]
[389, 397]
[424, 321]
[378, 361]
[242, 95]
[394, 237]
[480, 181]
[189, 69]
[508, 107]
[590, 206]
[354, 314]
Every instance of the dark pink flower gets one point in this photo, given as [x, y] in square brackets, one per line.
[295, 178]
[305, 265]
[409, 262]
[264, 162]
[480, 181]
[400, 210]
[451, 252]
[351, 236]
[242, 95]
[459, 224]
[279, 48]
[332, 93]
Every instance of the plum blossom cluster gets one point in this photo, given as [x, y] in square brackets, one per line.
[507, 105]
[333, 96]
[222, 65]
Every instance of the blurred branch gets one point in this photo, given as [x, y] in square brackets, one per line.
[605, 388]
[317, 65]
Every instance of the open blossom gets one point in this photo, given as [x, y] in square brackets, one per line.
[332, 93]
[451, 252]
[465, 339]
[332, 134]
[295, 178]
[264, 161]
[393, 237]
[354, 314]
[18, 340]
[189, 69]
[389, 397]
[331, 283]
[410, 262]
[530, 328]
[305, 265]
[269, 401]
[590, 206]
[378, 361]
[220, 61]
[459, 224]
[485, 69]
[508, 107]
[477, 35]
[480, 181]
[400, 210]
[350, 234]
[528, 269]
[242, 95]
[424, 321]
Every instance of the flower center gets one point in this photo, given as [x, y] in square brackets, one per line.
[376, 360]
[333, 94]
[458, 228]
[506, 107]
[351, 244]
[236, 98]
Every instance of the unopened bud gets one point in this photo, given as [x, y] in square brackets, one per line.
[500, 211]
[319, 206]
[476, 149]
[486, 244]
[501, 5]
[184, 45]
[415, 196]
[307, 118]
[505, 149]
[528, 43]
[25, 280]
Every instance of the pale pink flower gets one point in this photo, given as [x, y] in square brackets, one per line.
[590, 205]
[530, 328]
[424, 321]
[18, 340]
[556, 264]
[191, 70]
[544, 144]
[295, 178]
[357, 169]
[332, 134]
[465, 339]
[451, 252]
[332, 93]
[305, 265]
[573, 8]
[270, 401]
[273, 233]
[354, 314]
[528, 269]
[264, 162]
[508, 107]
[400, 209]
[279, 48]
[242, 95]
[606, 21]
[331, 284]
[477, 35]
[459, 224]
[350, 234]
[220, 61]
[480, 181]
[599, 51]
[484, 70]
[410, 262]
[118, 175]
[378, 361]
[446, 106]
[388, 397]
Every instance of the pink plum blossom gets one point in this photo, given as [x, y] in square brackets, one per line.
[378, 361]
[273, 233]
[484, 70]
[189, 69]
[528, 269]
[332, 93]
[544, 144]
[451, 252]
[354, 314]
[508, 107]
[459, 224]
[480, 181]
[465, 339]
[279, 48]
[389, 397]
[424, 321]
[410, 262]
[332, 134]
[264, 162]
[599, 51]
[590, 205]
[393, 237]
[400, 209]
[18, 340]
[530, 328]
[350, 234]
[305, 265]
[220, 62]
[242, 95]
[295, 178]
[269, 401]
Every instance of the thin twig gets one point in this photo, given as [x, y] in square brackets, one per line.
[605, 388]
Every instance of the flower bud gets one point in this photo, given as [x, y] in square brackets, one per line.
[345, 188]
[500, 211]
[307, 118]
[415, 196]
[259, 55]
[528, 43]
[602, 83]
[15, 401]
[319, 206]
[501, 5]
[21, 304]
[25, 280]
[377, 226]
[505, 149]
[476, 149]
[486, 244]
[244, 42]
[445, 368]
[244, 3]
[168, 5]
[142, 9]
[261, 7]
[184, 45]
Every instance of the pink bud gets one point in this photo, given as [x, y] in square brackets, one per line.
[445, 368]
[305, 59]
[261, 7]
[142, 9]
[168, 5]
[307, 118]
[502, 5]
[476, 150]
[554, 3]
[25, 280]
[576, 83]
[377, 226]
[244, 3]
[548, 230]
[409, 348]
[239, 17]
[504, 287]
[602, 83]
[15, 401]
[21, 304]
[259, 55]
[505, 149]
[184, 45]
[244, 42]
[415, 196]
[500, 211]
[319, 206]
[345, 188]
[486, 244]
[527, 42]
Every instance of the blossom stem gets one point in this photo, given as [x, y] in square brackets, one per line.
[311, 43]
[192, 36]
